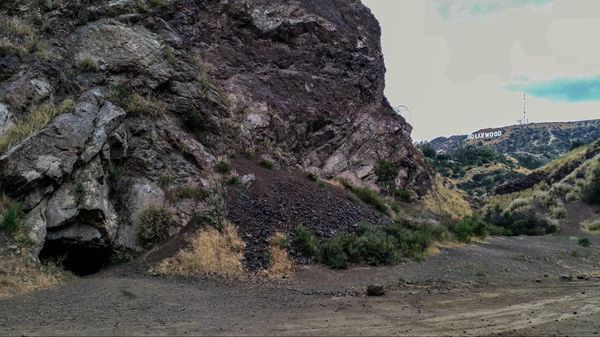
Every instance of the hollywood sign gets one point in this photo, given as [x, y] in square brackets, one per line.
[485, 135]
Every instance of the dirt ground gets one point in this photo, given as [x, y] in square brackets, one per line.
[504, 286]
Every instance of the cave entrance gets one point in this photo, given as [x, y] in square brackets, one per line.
[78, 258]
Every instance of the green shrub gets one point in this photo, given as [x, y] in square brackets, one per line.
[468, 228]
[306, 242]
[88, 65]
[370, 197]
[223, 167]
[413, 242]
[403, 194]
[591, 192]
[155, 225]
[11, 219]
[522, 221]
[333, 252]
[267, 164]
[233, 181]
[386, 171]
[584, 242]
[312, 177]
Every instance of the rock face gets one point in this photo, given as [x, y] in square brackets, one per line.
[163, 92]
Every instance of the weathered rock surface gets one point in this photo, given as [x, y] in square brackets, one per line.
[298, 83]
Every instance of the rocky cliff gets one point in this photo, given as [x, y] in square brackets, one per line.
[109, 107]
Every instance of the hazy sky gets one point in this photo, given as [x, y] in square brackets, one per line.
[463, 65]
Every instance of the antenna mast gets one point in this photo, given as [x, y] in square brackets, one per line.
[524, 120]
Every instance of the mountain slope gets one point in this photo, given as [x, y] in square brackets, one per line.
[532, 145]
[118, 115]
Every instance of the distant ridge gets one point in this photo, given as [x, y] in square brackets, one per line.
[542, 142]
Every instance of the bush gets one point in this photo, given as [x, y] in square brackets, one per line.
[403, 194]
[519, 222]
[428, 151]
[333, 252]
[306, 242]
[312, 177]
[385, 171]
[468, 228]
[584, 242]
[88, 65]
[370, 197]
[223, 167]
[591, 192]
[11, 219]
[267, 164]
[155, 225]
[233, 181]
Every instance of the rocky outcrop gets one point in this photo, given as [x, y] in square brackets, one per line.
[163, 92]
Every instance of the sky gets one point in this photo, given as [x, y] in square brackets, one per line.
[463, 65]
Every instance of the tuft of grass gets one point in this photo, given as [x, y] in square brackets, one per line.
[88, 65]
[214, 210]
[11, 219]
[155, 225]
[205, 71]
[37, 120]
[370, 197]
[194, 192]
[584, 242]
[233, 181]
[211, 252]
[150, 106]
[306, 242]
[403, 194]
[312, 177]
[18, 37]
[223, 167]
[280, 263]
[267, 164]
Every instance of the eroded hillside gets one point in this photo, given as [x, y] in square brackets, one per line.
[115, 114]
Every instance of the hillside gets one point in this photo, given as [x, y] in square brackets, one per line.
[121, 123]
[532, 145]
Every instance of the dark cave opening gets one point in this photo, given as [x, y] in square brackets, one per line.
[78, 258]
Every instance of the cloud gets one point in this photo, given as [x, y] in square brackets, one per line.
[571, 90]
[450, 10]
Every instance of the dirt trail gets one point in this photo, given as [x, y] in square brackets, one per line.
[503, 286]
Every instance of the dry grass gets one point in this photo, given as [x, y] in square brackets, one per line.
[212, 252]
[591, 226]
[281, 265]
[575, 154]
[151, 106]
[20, 277]
[446, 201]
[36, 121]
[17, 37]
